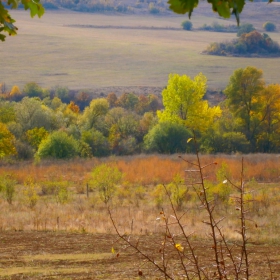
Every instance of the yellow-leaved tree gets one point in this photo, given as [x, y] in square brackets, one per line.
[183, 103]
[7, 140]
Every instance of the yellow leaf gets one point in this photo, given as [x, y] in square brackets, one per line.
[189, 140]
[113, 250]
[179, 247]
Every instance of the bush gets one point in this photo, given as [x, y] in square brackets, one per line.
[245, 28]
[58, 145]
[104, 179]
[187, 25]
[153, 9]
[167, 138]
[7, 186]
[269, 26]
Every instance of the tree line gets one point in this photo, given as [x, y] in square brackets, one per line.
[38, 123]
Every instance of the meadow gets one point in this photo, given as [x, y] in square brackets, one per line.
[59, 49]
[57, 226]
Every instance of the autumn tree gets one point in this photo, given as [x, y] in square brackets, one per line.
[128, 101]
[112, 99]
[244, 94]
[7, 140]
[82, 99]
[183, 103]
[35, 136]
[268, 138]
[122, 126]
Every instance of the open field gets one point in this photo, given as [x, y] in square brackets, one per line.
[53, 51]
[69, 235]
[60, 255]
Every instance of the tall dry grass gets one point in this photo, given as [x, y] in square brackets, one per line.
[148, 169]
[135, 202]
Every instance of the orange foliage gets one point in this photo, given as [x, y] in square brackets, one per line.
[148, 169]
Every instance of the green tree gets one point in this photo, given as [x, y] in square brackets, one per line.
[269, 26]
[97, 141]
[58, 145]
[182, 100]
[7, 112]
[168, 138]
[187, 25]
[34, 90]
[62, 93]
[244, 93]
[31, 113]
[105, 179]
[7, 22]
[97, 108]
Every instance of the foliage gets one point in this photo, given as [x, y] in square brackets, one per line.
[32, 89]
[245, 28]
[187, 25]
[7, 112]
[30, 193]
[224, 8]
[105, 178]
[7, 187]
[58, 145]
[97, 142]
[178, 191]
[253, 43]
[97, 108]
[244, 99]
[217, 27]
[36, 135]
[269, 26]
[182, 100]
[7, 142]
[7, 22]
[167, 138]
[62, 93]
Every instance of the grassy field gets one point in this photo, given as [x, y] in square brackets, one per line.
[68, 234]
[51, 51]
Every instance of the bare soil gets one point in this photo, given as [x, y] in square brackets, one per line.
[62, 255]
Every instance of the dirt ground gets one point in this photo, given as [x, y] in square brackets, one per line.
[61, 255]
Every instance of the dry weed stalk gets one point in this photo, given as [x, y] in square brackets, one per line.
[229, 260]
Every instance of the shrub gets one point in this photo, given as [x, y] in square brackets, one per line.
[7, 186]
[269, 26]
[58, 145]
[187, 25]
[245, 28]
[104, 179]
[167, 138]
